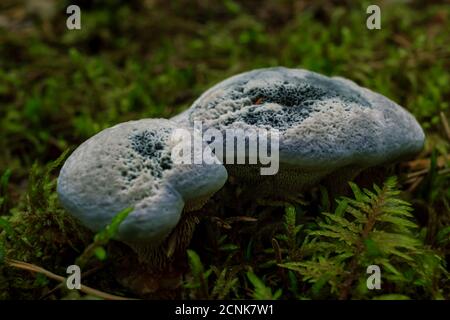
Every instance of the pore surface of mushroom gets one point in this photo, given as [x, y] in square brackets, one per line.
[325, 124]
[130, 165]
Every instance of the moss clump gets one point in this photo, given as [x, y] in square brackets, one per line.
[39, 231]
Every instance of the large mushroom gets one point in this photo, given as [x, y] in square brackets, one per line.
[327, 126]
[131, 165]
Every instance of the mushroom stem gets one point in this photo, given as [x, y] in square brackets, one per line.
[159, 256]
[155, 271]
[288, 182]
[198, 203]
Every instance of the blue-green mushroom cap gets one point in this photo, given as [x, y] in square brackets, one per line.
[131, 165]
[324, 122]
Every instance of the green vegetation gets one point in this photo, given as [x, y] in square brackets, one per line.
[138, 59]
[371, 229]
[96, 248]
[328, 257]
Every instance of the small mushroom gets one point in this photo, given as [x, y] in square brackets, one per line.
[327, 126]
[131, 165]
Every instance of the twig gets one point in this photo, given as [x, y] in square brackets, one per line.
[51, 275]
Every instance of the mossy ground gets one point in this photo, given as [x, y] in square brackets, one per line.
[140, 59]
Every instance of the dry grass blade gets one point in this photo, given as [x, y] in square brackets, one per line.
[51, 275]
[59, 286]
[240, 219]
[446, 126]
[415, 184]
[422, 164]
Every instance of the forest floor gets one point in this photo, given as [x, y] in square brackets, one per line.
[142, 59]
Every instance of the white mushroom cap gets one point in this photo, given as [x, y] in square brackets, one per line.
[130, 165]
[324, 123]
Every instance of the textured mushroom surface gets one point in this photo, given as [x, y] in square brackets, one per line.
[324, 122]
[130, 165]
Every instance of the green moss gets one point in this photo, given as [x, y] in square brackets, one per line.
[39, 231]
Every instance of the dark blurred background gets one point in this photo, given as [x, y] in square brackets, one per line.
[136, 59]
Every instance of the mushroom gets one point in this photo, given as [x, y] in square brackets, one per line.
[131, 165]
[328, 127]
